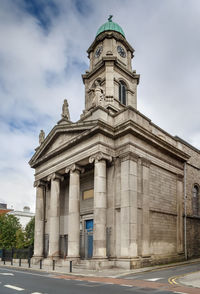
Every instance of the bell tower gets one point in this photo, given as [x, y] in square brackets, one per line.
[110, 81]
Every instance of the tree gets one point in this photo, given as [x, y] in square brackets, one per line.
[9, 229]
[20, 239]
[29, 233]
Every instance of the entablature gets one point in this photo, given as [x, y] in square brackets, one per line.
[117, 63]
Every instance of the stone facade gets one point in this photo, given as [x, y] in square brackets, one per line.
[113, 188]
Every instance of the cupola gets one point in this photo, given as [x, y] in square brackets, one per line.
[110, 26]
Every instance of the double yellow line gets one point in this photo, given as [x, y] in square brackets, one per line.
[172, 280]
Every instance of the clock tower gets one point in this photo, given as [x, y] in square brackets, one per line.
[110, 81]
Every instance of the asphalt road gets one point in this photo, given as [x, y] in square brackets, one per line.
[14, 281]
[165, 275]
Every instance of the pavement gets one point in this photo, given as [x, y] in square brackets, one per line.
[192, 280]
[118, 275]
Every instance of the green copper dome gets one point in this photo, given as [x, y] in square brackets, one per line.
[110, 26]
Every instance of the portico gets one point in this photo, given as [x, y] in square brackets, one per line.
[98, 162]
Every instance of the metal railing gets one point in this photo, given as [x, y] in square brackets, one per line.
[14, 253]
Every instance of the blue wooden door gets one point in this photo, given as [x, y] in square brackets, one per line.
[89, 230]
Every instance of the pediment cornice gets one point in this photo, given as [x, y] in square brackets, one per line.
[55, 132]
[80, 130]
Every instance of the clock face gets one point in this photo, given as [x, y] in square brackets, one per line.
[121, 51]
[98, 51]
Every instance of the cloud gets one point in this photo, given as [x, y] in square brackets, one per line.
[43, 54]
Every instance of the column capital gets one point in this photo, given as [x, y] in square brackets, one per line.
[100, 156]
[39, 183]
[74, 168]
[145, 162]
[55, 176]
[129, 156]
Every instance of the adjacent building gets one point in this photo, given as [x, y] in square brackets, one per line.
[114, 189]
[4, 209]
[24, 216]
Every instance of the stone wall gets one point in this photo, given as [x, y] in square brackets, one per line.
[163, 210]
[193, 237]
[162, 190]
[86, 183]
[162, 233]
[193, 222]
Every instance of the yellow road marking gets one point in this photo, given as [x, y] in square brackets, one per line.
[172, 280]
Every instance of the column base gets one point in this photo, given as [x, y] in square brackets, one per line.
[100, 257]
[128, 262]
[53, 257]
[96, 264]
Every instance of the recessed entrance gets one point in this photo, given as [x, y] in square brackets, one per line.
[89, 237]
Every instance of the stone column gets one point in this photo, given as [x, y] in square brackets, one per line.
[129, 246]
[54, 230]
[39, 219]
[145, 208]
[74, 210]
[179, 226]
[100, 204]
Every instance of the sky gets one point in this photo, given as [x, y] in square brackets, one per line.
[43, 48]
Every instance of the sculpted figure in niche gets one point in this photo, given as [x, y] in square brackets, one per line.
[41, 137]
[65, 110]
[98, 95]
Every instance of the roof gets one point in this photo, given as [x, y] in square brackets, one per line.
[22, 213]
[4, 211]
[110, 26]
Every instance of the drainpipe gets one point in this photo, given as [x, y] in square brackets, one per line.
[185, 213]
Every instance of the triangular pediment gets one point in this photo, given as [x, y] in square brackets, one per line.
[59, 138]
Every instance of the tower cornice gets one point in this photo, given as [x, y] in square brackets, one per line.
[110, 35]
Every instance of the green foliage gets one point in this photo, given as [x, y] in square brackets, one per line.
[29, 233]
[9, 226]
[12, 235]
[20, 239]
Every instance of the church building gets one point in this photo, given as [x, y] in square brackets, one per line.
[113, 189]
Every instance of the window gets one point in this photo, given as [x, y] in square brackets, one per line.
[88, 194]
[195, 200]
[122, 92]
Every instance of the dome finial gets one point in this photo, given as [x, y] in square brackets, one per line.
[110, 18]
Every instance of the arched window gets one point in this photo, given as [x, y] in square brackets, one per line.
[195, 200]
[122, 92]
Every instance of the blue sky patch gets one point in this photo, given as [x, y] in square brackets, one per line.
[22, 125]
[75, 66]
[43, 11]
[83, 7]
